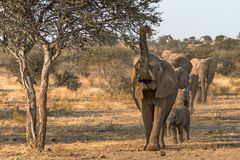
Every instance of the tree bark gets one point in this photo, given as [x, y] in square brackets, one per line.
[35, 130]
[27, 84]
[43, 100]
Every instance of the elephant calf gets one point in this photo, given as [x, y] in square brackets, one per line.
[179, 119]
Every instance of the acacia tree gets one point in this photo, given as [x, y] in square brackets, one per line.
[207, 39]
[57, 24]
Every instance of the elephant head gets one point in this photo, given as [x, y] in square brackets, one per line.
[164, 80]
[181, 61]
[183, 78]
[151, 72]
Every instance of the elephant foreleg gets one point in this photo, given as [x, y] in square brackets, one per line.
[157, 124]
[205, 94]
[174, 134]
[192, 97]
[169, 104]
[147, 115]
[199, 95]
[180, 133]
[162, 133]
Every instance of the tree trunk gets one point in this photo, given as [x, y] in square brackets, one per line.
[43, 101]
[35, 137]
[35, 130]
[31, 99]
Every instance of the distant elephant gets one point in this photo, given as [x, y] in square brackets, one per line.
[178, 60]
[155, 87]
[204, 69]
[179, 119]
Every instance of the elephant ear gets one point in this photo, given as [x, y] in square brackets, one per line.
[133, 77]
[166, 80]
[135, 71]
[136, 87]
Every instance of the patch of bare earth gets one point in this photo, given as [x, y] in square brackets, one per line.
[104, 128]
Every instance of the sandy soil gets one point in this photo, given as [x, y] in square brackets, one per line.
[106, 128]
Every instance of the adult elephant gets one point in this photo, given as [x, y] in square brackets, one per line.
[204, 69]
[184, 61]
[155, 87]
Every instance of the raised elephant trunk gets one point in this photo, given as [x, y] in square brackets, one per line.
[145, 74]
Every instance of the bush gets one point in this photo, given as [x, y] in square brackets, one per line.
[114, 64]
[67, 79]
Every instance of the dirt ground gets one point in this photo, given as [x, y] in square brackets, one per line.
[103, 128]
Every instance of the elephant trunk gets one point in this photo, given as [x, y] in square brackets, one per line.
[145, 74]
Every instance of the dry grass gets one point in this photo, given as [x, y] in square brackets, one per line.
[225, 85]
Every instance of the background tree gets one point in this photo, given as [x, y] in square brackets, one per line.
[163, 40]
[207, 39]
[193, 40]
[219, 38]
[54, 25]
[228, 44]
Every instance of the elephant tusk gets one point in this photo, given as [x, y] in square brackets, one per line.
[152, 76]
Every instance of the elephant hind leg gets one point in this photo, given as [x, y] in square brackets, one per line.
[147, 115]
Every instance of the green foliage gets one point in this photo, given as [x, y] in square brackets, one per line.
[228, 44]
[219, 38]
[201, 51]
[207, 39]
[168, 43]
